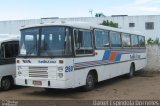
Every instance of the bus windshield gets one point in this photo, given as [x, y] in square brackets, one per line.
[46, 41]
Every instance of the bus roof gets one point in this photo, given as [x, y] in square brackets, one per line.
[83, 25]
[8, 39]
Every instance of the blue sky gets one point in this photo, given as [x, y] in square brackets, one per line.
[33, 9]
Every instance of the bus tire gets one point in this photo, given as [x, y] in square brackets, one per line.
[131, 71]
[6, 83]
[90, 82]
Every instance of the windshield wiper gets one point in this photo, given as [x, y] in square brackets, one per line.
[31, 49]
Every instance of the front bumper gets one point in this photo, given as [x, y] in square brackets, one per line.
[45, 83]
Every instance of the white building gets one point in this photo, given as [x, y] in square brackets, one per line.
[149, 25]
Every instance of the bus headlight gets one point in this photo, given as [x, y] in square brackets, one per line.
[60, 75]
[60, 69]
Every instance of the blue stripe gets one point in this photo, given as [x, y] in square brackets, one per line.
[107, 55]
[118, 57]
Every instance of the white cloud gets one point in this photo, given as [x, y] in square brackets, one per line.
[138, 7]
[141, 2]
[149, 9]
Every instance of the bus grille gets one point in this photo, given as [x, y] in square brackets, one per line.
[40, 72]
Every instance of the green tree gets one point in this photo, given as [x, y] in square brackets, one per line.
[156, 41]
[99, 15]
[116, 25]
[109, 23]
[150, 41]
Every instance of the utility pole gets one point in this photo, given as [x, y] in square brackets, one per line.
[91, 12]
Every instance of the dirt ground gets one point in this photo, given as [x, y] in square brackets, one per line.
[144, 86]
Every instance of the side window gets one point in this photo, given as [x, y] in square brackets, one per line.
[115, 38]
[10, 50]
[142, 41]
[101, 38]
[126, 42]
[2, 51]
[134, 41]
[83, 42]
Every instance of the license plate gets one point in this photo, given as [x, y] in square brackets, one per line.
[37, 82]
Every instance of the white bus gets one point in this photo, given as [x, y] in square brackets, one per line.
[70, 55]
[8, 53]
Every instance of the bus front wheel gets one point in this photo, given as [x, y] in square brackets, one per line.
[90, 82]
[6, 83]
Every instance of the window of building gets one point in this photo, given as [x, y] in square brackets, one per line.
[142, 41]
[126, 42]
[115, 38]
[131, 24]
[101, 38]
[83, 42]
[149, 25]
[134, 40]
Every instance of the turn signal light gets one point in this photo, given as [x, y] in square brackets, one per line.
[17, 61]
[96, 53]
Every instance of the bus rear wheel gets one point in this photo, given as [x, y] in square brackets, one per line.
[6, 84]
[131, 71]
[90, 82]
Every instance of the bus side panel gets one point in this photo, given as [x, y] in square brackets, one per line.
[81, 75]
[140, 64]
[85, 64]
[104, 72]
[139, 59]
[116, 69]
[7, 70]
[69, 72]
[108, 64]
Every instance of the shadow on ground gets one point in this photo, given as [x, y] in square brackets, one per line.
[14, 88]
[73, 93]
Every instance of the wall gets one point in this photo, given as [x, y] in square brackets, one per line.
[153, 58]
[13, 27]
